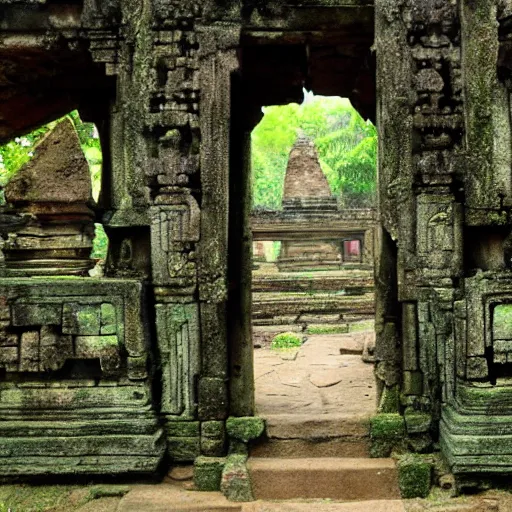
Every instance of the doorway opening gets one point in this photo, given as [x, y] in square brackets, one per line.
[313, 224]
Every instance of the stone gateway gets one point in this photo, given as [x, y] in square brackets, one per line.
[152, 364]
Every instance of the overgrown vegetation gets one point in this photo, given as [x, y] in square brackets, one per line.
[17, 152]
[346, 144]
[285, 340]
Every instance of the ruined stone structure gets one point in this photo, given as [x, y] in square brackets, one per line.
[306, 191]
[309, 231]
[153, 359]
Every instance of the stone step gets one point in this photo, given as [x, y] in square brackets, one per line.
[307, 448]
[304, 436]
[165, 497]
[343, 479]
[322, 506]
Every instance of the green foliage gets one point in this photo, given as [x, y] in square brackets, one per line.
[285, 340]
[346, 144]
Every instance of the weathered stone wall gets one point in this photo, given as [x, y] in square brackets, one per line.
[444, 194]
[175, 88]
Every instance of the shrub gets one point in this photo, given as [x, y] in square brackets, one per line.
[286, 340]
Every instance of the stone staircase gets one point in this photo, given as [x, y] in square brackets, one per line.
[320, 458]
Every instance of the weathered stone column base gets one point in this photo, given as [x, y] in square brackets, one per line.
[476, 444]
[51, 445]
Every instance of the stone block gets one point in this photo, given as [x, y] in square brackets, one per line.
[29, 352]
[81, 319]
[387, 431]
[213, 438]
[208, 473]
[8, 339]
[389, 400]
[245, 429]
[414, 476]
[57, 173]
[54, 349]
[108, 319]
[213, 447]
[137, 368]
[9, 358]
[413, 383]
[183, 449]
[501, 324]
[213, 399]
[477, 368]
[5, 311]
[420, 443]
[236, 481]
[24, 315]
[178, 343]
[105, 348]
[417, 422]
[183, 428]
[213, 429]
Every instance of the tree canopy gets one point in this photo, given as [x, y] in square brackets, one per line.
[346, 144]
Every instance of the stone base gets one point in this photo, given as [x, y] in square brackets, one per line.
[66, 445]
[476, 444]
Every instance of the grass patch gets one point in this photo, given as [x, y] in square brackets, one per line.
[327, 329]
[285, 340]
[25, 498]
[367, 325]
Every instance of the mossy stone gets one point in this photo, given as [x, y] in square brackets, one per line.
[245, 428]
[387, 431]
[390, 400]
[417, 422]
[414, 476]
[236, 481]
[208, 473]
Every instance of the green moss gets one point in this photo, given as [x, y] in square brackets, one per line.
[183, 428]
[390, 400]
[107, 491]
[414, 476]
[25, 498]
[208, 473]
[387, 431]
[367, 325]
[245, 428]
[417, 422]
[235, 481]
[286, 340]
[327, 329]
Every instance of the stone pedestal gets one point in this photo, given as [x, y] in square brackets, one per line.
[53, 190]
